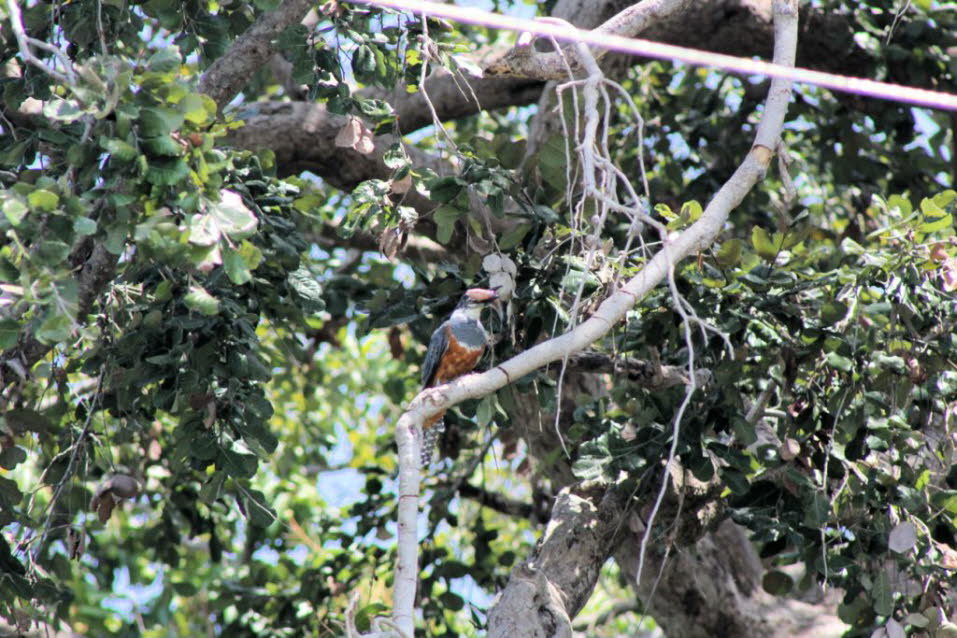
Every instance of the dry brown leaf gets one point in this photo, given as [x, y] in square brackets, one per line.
[948, 271]
[154, 450]
[789, 449]
[103, 505]
[390, 242]
[355, 135]
[396, 347]
[402, 185]
[108, 494]
[75, 543]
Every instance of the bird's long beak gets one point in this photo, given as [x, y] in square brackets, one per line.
[497, 304]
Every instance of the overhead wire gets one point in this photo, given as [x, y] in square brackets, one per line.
[695, 57]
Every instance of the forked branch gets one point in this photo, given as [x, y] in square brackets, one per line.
[611, 311]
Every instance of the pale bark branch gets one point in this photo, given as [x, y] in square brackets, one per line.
[525, 62]
[611, 311]
[555, 582]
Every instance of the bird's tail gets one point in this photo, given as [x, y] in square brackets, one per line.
[430, 438]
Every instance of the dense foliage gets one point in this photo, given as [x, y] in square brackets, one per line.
[244, 369]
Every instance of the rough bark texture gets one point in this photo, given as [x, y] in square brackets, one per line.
[555, 582]
[228, 75]
[713, 588]
[710, 583]
[301, 133]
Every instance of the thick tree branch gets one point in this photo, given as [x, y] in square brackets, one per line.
[454, 97]
[614, 308]
[303, 137]
[647, 374]
[552, 586]
[499, 503]
[229, 74]
[726, 598]
[611, 311]
[526, 62]
[419, 249]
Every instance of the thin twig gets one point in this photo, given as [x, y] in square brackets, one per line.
[25, 42]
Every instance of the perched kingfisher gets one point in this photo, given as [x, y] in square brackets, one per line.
[455, 349]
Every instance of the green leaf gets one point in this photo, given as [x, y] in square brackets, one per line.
[444, 189]
[10, 495]
[237, 465]
[164, 172]
[201, 301]
[203, 230]
[691, 211]
[552, 162]
[945, 198]
[84, 226]
[881, 594]
[116, 238]
[165, 60]
[514, 237]
[158, 120]
[251, 255]
[901, 203]
[816, 510]
[54, 329]
[235, 220]
[832, 312]
[452, 601]
[12, 456]
[445, 218]
[15, 153]
[930, 208]
[52, 252]
[837, 361]
[15, 210]
[762, 244]
[22, 420]
[236, 268]
[730, 253]
[119, 150]
[197, 108]
[375, 109]
[936, 224]
[364, 63]
[162, 146]
[63, 110]
[43, 200]
[777, 583]
[308, 290]
[212, 488]
[946, 500]
[485, 411]
[9, 333]
[258, 511]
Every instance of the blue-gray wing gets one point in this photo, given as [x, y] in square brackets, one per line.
[437, 347]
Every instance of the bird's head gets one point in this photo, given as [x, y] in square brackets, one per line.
[476, 299]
